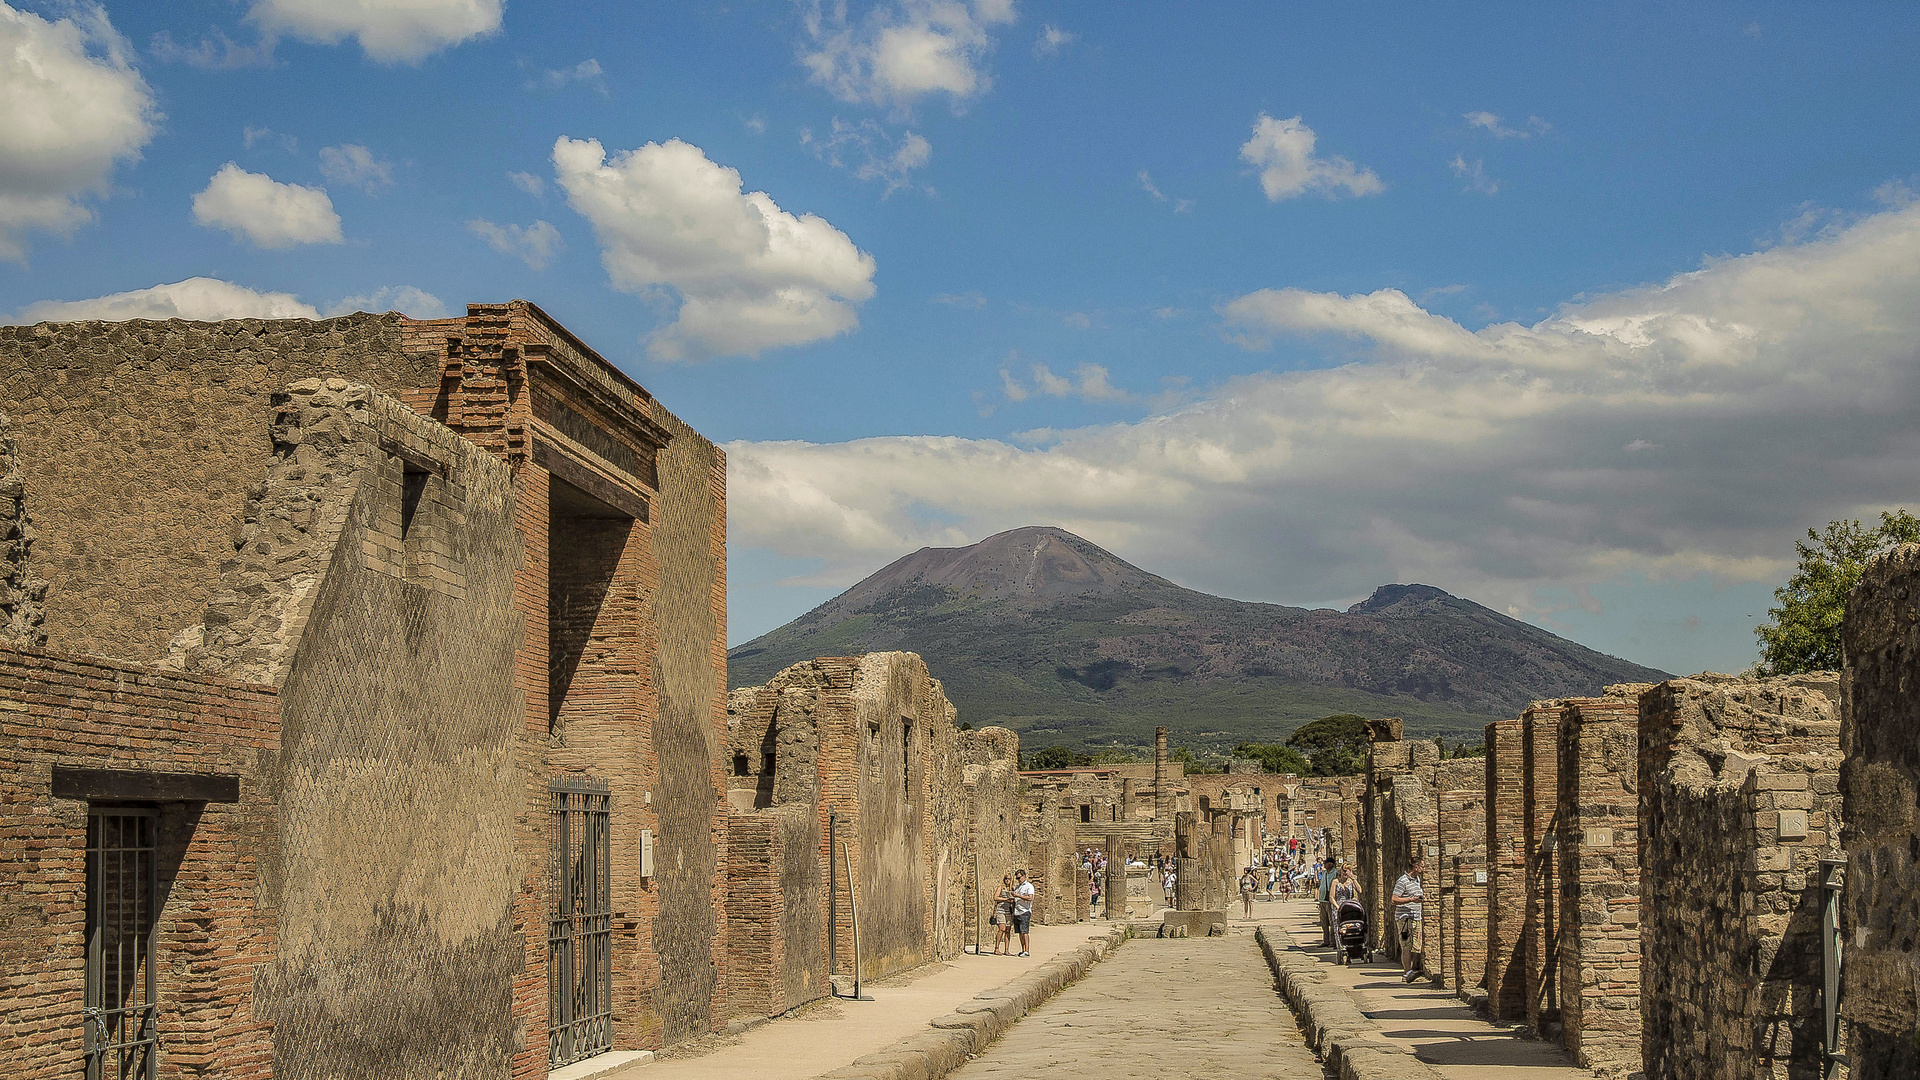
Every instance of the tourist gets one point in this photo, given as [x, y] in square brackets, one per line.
[1272, 874]
[1326, 906]
[1022, 909]
[1345, 887]
[1167, 885]
[1247, 884]
[1407, 894]
[1003, 917]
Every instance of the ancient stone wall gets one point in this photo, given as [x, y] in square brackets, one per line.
[1460, 959]
[1505, 787]
[1598, 825]
[138, 440]
[1540, 804]
[219, 863]
[23, 592]
[1739, 802]
[1880, 790]
[990, 779]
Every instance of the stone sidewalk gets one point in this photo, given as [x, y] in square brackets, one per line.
[1434, 1025]
[827, 1035]
[1159, 1009]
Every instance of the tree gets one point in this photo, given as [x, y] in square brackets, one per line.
[1275, 758]
[1194, 766]
[1112, 755]
[1334, 745]
[1057, 757]
[1804, 634]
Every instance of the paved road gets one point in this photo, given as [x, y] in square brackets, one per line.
[1159, 1010]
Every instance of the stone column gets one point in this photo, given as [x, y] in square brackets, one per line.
[1186, 848]
[1162, 798]
[1116, 883]
[1220, 881]
[1126, 798]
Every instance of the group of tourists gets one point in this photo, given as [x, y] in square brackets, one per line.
[1012, 912]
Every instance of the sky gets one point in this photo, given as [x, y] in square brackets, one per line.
[1584, 312]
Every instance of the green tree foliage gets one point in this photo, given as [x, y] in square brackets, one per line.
[1194, 766]
[1113, 755]
[1334, 745]
[1804, 631]
[1057, 757]
[1275, 758]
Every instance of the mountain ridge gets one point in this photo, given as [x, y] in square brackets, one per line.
[1050, 634]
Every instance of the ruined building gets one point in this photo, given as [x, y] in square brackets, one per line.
[363, 706]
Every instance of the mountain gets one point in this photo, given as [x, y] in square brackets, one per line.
[1041, 631]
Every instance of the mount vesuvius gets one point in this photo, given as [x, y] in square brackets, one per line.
[1039, 630]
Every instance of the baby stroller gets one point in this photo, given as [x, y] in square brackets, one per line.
[1350, 932]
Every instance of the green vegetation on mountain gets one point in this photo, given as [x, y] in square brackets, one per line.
[1041, 631]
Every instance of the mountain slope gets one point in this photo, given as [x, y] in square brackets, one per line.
[1044, 632]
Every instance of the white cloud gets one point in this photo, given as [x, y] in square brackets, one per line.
[405, 299]
[529, 183]
[535, 244]
[74, 108]
[750, 276]
[901, 53]
[1283, 152]
[1475, 174]
[1491, 123]
[1088, 381]
[390, 31]
[355, 166]
[200, 298]
[1180, 206]
[1693, 426]
[866, 150]
[1051, 40]
[257, 207]
[251, 135]
[587, 72]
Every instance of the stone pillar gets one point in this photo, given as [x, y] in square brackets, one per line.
[1186, 882]
[1126, 798]
[1116, 883]
[1219, 882]
[1506, 872]
[1540, 935]
[1162, 796]
[1599, 821]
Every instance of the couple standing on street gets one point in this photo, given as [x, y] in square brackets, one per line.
[1012, 912]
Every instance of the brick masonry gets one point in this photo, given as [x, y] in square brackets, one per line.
[1505, 978]
[1730, 902]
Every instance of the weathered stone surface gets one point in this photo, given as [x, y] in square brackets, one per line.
[23, 593]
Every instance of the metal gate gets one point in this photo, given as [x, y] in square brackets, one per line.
[579, 920]
[120, 1038]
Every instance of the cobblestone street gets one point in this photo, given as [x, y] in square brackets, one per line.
[1159, 1008]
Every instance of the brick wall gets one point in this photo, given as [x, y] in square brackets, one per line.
[1506, 870]
[218, 861]
[1598, 817]
[1880, 791]
[1730, 904]
[1460, 959]
[1540, 925]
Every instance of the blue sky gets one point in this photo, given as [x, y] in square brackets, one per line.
[1581, 311]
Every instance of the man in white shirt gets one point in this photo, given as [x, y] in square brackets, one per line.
[1407, 894]
[1022, 908]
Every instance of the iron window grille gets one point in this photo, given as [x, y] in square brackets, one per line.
[121, 1036]
[580, 920]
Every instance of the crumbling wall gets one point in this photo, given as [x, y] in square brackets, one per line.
[1730, 965]
[23, 593]
[1598, 819]
[1880, 791]
[1540, 926]
[138, 440]
[996, 840]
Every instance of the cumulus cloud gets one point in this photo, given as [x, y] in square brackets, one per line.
[1490, 123]
[404, 299]
[587, 73]
[201, 298]
[535, 244]
[355, 166]
[1475, 174]
[256, 207]
[1693, 426]
[1051, 40]
[866, 150]
[901, 53]
[749, 275]
[1090, 382]
[74, 109]
[1283, 152]
[389, 31]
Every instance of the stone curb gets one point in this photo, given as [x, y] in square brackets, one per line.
[1336, 1029]
[956, 1036]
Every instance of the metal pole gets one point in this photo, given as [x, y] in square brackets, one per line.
[853, 909]
[1833, 879]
